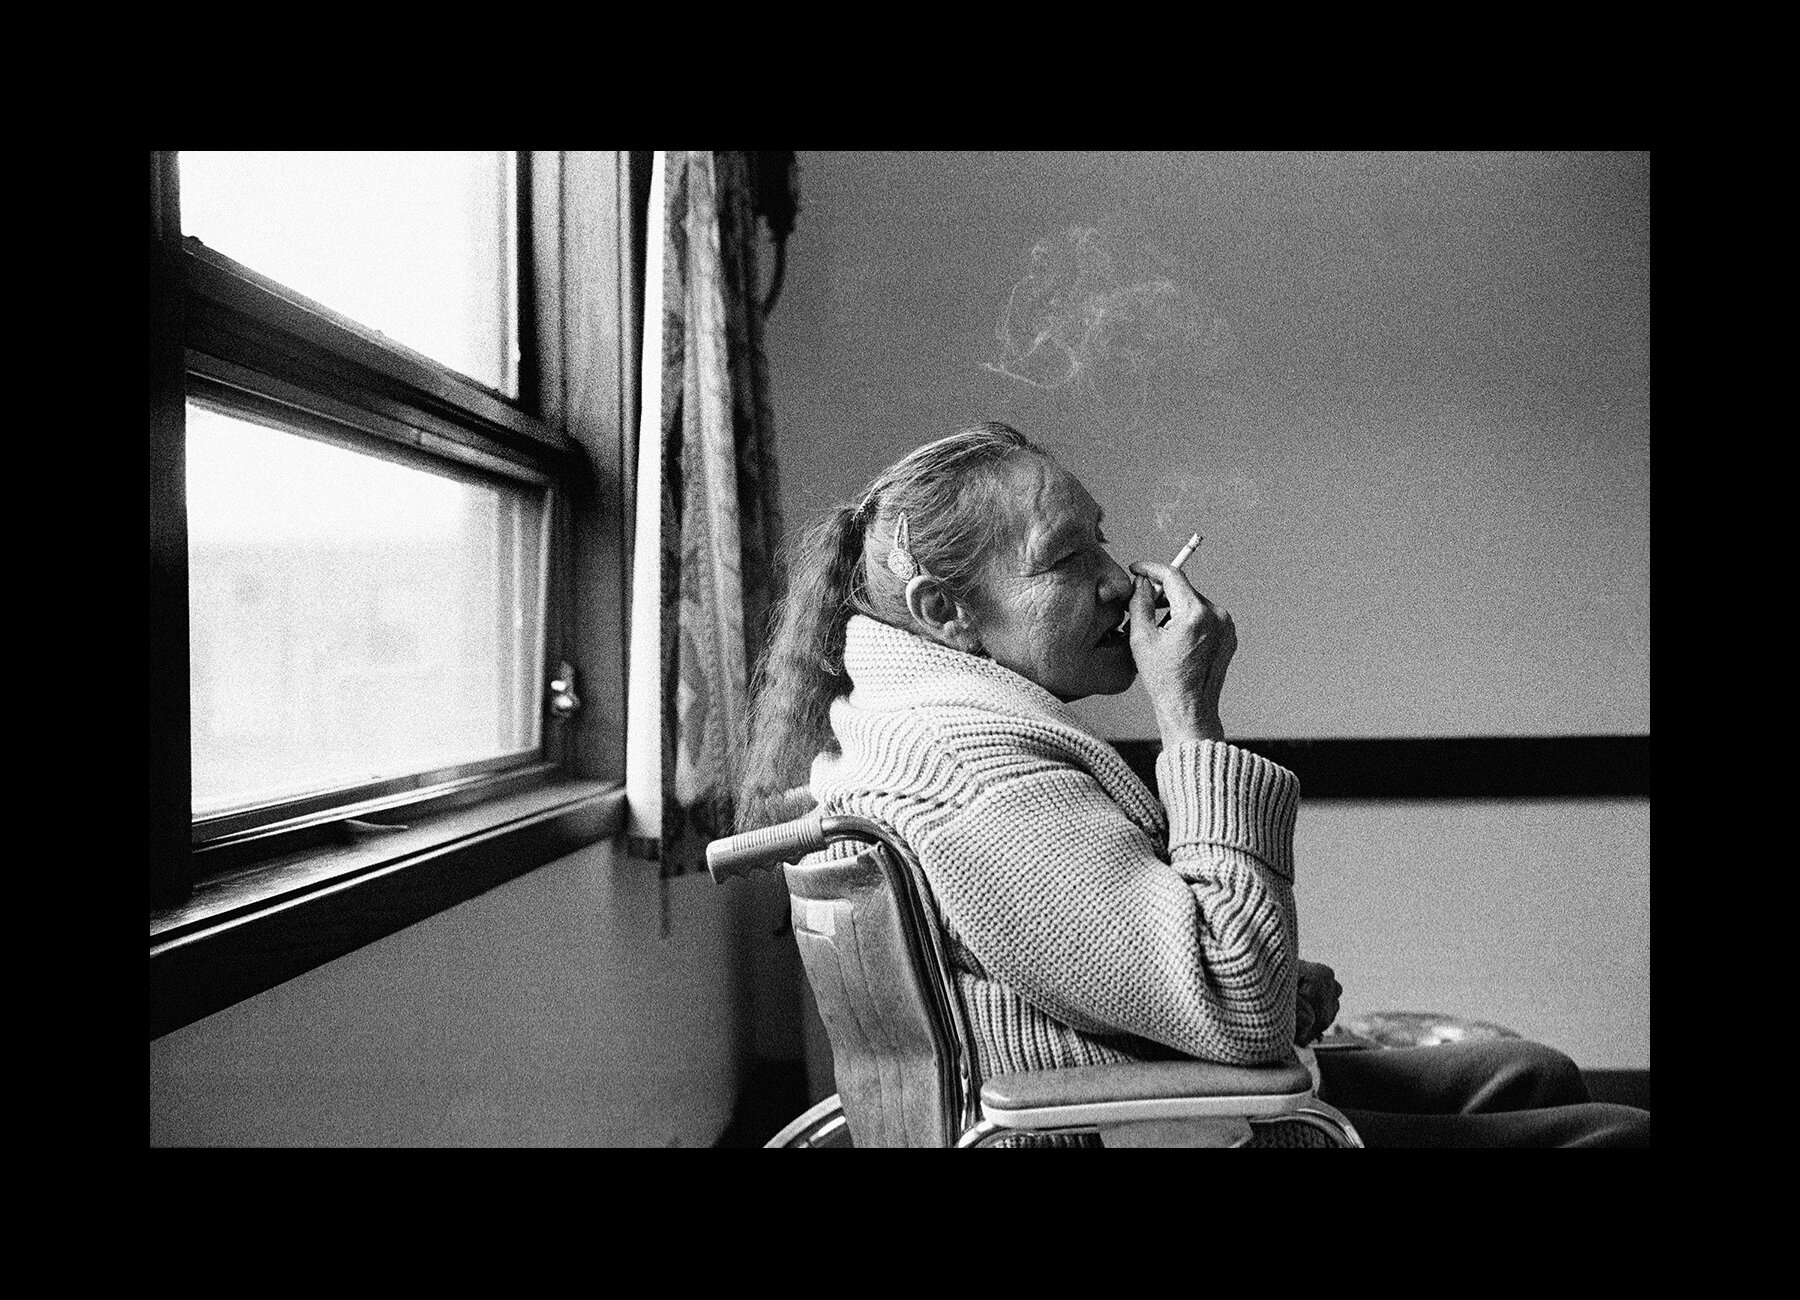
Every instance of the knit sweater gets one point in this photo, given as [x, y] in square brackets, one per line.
[1088, 921]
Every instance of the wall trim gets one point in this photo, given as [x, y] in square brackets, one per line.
[1447, 767]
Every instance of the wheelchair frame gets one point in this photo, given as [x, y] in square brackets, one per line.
[984, 1115]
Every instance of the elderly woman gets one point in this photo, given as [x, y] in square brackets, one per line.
[932, 636]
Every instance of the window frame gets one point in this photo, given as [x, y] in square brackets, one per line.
[268, 897]
[221, 385]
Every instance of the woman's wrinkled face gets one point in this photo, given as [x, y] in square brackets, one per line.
[1051, 598]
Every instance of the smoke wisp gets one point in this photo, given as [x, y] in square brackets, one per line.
[1104, 319]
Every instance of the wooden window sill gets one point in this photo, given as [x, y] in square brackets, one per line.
[243, 933]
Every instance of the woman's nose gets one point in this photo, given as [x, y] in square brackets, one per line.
[1115, 583]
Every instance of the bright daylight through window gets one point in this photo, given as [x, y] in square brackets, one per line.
[359, 611]
[351, 619]
[420, 246]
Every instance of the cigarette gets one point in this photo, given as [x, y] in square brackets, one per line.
[1181, 556]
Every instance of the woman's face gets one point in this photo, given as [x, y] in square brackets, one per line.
[1051, 598]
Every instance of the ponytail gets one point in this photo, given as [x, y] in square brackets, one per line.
[803, 670]
[945, 490]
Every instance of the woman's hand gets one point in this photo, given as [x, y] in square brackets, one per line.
[1182, 663]
[1316, 1004]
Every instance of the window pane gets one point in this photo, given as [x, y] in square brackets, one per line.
[352, 619]
[416, 245]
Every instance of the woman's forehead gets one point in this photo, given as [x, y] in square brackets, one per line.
[1045, 498]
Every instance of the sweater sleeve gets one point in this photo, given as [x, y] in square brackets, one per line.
[1068, 901]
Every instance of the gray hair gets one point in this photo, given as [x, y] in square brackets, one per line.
[947, 491]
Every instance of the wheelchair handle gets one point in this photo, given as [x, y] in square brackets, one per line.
[739, 855]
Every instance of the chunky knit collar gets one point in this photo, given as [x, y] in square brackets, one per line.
[896, 672]
[893, 669]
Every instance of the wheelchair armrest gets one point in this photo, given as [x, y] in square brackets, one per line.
[1137, 1092]
[758, 850]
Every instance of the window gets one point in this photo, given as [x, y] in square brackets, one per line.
[421, 247]
[390, 409]
[352, 618]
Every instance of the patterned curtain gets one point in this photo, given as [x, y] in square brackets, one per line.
[708, 513]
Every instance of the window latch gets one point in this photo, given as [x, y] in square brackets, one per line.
[564, 703]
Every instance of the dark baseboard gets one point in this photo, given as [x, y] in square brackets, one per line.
[1623, 1087]
[773, 1095]
[1447, 767]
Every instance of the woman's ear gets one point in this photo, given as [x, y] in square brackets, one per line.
[936, 614]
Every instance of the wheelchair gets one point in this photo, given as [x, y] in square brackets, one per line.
[873, 948]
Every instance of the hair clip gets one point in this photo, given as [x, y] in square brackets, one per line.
[899, 560]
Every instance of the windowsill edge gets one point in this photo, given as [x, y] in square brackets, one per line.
[228, 945]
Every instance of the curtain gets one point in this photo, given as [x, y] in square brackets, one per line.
[708, 498]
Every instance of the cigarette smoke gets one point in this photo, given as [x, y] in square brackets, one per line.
[1218, 499]
[1103, 319]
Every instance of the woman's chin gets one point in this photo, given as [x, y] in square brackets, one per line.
[1115, 673]
[1106, 669]
[1123, 684]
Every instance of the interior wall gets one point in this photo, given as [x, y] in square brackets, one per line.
[1531, 914]
[550, 1011]
[1405, 398]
